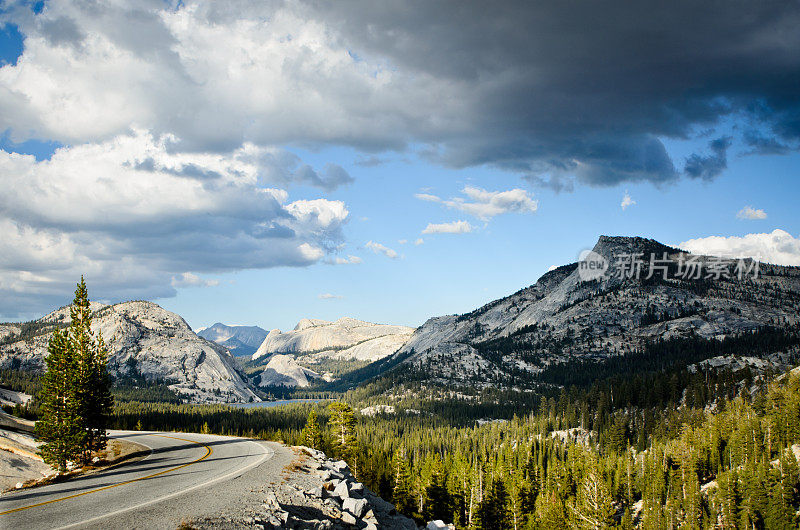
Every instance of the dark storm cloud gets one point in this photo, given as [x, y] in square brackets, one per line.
[587, 88]
[764, 145]
[709, 166]
[562, 92]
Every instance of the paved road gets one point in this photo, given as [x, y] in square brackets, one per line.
[184, 476]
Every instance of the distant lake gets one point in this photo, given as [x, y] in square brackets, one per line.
[267, 404]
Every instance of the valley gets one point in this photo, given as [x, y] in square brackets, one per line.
[505, 413]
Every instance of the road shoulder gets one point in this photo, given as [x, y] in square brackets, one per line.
[304, 489]
[22, 468]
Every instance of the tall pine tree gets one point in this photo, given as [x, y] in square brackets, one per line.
[94, 382]
[343, 425]
[76, 390]
[402, 496]
[60, 426]
[437, 504]
[312, 434]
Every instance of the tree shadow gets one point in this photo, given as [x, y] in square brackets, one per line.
[161, 461]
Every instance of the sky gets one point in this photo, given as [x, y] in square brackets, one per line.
[261, 162]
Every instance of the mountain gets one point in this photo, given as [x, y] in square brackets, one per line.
[242, 341]
[283, 370]
[344, 339]
[565, 319]
[143, 339]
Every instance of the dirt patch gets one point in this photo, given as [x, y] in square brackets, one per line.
[18, 471]
[116, 452]
[300, 464]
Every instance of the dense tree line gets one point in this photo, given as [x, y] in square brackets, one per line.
[578, 457]
[732, 469]
[20, 380]
[31, 329]
[277, 423]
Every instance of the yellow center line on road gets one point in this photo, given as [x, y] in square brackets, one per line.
[208, 453]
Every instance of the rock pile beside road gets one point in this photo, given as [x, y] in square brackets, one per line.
[316, 493]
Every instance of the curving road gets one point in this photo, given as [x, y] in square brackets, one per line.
[185, 476]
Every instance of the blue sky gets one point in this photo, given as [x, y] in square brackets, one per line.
[219, 161]
[457, 273]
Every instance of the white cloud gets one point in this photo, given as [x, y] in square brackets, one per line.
[455, 227]
[133, 216]
[188, 279]
[419, 241]
[626, 201]
[402, 241]
[377, 248]
[427, 197]
[329, 296]
[778, 247]
[218, 74]
[349, 260]
[487, 204]
[211, 74]
[748, 212]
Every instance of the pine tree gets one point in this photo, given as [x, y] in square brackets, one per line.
[436, 498]
[594, 508]
[618, 435]
[76, 390]
[780, 513]
[343, 425]
[312, 434]
[493, 511]
[729, 499]
[402, 496]
[94, 383]
[550, 511]
[60, 425]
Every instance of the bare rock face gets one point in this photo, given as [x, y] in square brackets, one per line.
[345, 339]
[563, 316]
[145, 338]
[283, 370]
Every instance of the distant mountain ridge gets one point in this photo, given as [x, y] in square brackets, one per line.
[512, 342]
[562, 318]
[242, 341]
[142, 338]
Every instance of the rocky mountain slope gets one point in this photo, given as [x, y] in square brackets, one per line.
[143, 339]
[283, 370]
[564, 316]
[241, 341]
[344, 339]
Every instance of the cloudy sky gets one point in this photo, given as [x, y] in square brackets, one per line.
[260, 162]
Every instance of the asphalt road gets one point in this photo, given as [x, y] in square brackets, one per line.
[184, 476]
